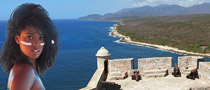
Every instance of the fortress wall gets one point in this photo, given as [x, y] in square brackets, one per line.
[188, 63]
[148, 67]
[154, 63]
[154, 67]
[204, 71]
[94, 82]
[118, 68]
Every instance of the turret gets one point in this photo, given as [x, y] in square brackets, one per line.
[102, 57]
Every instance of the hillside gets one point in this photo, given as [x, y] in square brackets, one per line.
[148, 11]
[186, 32]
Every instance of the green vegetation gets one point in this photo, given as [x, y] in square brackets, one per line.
[188, 32]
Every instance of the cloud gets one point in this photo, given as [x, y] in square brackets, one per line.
[185, 3]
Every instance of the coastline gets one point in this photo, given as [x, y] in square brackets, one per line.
[127, 39]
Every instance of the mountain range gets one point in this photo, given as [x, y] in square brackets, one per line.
[148, 11]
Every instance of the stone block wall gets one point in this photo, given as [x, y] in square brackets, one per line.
[94, 82]
[187, 63]
[154, 67]
[204, 71]
[118, 68]
[154, 63]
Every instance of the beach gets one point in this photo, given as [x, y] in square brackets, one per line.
[127, 39]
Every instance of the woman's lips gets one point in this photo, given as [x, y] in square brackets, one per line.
[36, 51]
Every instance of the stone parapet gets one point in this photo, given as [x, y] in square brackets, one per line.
[154, 67]
[154, 73]
[94, 83]
[204, 71]
[187, 63]
[118, 68]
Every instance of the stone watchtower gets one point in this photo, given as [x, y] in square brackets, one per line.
[102, 58]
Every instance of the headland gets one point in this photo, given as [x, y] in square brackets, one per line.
[127, 39]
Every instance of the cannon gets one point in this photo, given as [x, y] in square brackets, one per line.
[176, 72]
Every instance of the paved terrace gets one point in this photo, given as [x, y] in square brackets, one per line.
[161, 83]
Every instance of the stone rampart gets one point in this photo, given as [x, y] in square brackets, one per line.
[188, 63]
[147, 67]
[204, 71]
[118, 68]
[94, 83]
[154, 67]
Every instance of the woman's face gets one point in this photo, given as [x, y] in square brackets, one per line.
[31, 42]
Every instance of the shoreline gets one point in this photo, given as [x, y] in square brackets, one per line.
[127, 39]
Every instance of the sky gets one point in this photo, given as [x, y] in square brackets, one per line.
[72, 9]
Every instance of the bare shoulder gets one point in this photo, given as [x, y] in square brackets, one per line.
[23, 70]
[24, 77]
[21, 66]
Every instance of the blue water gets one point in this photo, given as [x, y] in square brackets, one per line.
[76, 62]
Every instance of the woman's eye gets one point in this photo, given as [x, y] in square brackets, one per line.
[41, 38]
[29, 37]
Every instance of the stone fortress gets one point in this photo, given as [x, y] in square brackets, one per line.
[155, 72]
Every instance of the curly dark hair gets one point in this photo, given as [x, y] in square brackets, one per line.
[34, 15]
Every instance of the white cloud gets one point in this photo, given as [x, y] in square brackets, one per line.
[185, 3]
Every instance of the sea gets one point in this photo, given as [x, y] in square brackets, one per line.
[76, 62]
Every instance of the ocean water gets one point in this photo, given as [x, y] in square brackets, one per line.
[76, 62]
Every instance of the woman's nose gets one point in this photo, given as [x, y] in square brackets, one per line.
[36, 43]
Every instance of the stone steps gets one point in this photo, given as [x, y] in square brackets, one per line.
[154, 73]
[117, 76]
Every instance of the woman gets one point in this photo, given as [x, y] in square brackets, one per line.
[30, 48]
